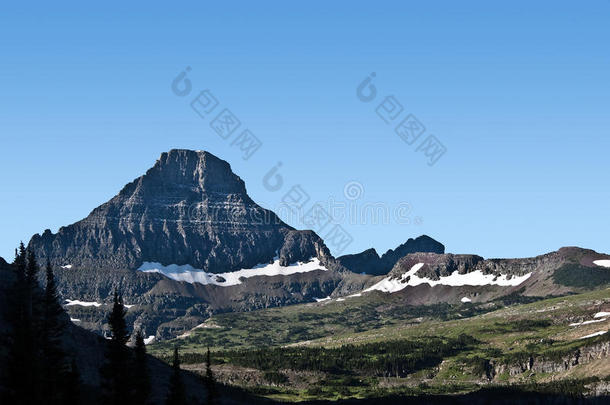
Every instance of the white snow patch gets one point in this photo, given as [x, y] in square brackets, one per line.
[83, 303]
[191, 275]
[466, 299]
[355, 295]
[601, 314]
[128, 306]
[149, 339]
[601, 332]
[396, 284]
[340, 299]
[587, 322]
[455, 279]
[74, 320]
[67, 266]
[204, 325]
[603, 263]
[322, 299]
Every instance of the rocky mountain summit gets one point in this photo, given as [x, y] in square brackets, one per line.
[190, 213]
[189, 208]
[370, 262]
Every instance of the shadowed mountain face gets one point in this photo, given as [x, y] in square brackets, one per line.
[189, 208]
[369, 261]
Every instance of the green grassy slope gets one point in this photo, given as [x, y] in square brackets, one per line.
[373, 346]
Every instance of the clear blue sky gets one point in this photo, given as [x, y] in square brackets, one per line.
[517, 92]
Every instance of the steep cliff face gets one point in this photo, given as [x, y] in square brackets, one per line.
[538, 364]
[189, 208]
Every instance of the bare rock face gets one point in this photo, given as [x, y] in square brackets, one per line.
[189, 208]
[370, 262]
[554, 273]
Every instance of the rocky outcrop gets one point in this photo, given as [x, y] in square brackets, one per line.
[189, 208]
[541, 364]
[541, 268]
[442, 265]
[369, 261]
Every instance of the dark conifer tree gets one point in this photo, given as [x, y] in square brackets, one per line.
[141, 375]
[36, 365]
[176, 394]
[34, 307]
[116, 321]
[32, 268]
[55, 370]
[18, 376]
[19, 262]
[24, 365]
[115, 372]
[210, 382]
[34, 314]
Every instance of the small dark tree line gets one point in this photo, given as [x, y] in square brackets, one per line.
[38, 370]
[125, 374]
[176, 394]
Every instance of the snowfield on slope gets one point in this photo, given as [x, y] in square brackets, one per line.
[601, 332]
[601, 314]
[602, 263]
[149, 340]
[191, 275]
[587, 322]
[83, 303]
[475, 278]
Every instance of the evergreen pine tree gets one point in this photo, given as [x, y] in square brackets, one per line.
[24, 363]
[141, 375]
[32, 268]
[210, 382]
[18, 374]
[115, 371]
[55, 370]
[34, 315]
[19, 262]
[176, 394]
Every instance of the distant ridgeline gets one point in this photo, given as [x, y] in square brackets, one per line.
[184, 241]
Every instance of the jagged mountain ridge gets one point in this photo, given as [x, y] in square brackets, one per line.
[189, 208]
[370, 262]
[430, 277]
